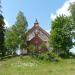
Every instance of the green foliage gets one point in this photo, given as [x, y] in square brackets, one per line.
[53, 56]
[11, 40]
[47, 56]
[2, 30]
[43, 45]
[31, 48]
[17, 34]
[72, 11]
[60, 39]
[21, 29]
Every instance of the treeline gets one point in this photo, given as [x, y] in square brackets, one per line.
[60, 40]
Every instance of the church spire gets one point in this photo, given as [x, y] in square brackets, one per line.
[36, 21]
[36, 24]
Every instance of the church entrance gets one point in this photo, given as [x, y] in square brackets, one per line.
[36, 41]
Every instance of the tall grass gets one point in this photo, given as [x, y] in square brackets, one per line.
[27, 65]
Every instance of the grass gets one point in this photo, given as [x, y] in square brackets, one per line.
[29, 66]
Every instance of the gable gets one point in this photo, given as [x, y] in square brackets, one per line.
[38, 30]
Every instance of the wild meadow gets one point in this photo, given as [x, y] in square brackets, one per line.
[27, 65]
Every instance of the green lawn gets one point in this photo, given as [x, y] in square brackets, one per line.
[30, 66]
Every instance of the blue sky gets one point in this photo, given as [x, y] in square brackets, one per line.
[40, 9]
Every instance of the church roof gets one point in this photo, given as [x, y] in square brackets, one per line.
[37, 26]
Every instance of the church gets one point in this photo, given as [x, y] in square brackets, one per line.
[38, 36]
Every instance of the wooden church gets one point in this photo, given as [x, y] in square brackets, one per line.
[38, 36]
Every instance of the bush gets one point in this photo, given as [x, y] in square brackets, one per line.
[48, 56]
[53, 56]
[31, 49]
[43, 45]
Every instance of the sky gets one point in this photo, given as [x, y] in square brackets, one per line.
[32, 9]
[43, 10]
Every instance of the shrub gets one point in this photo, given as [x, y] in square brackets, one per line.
[53, 56]
[31, 49]
[48, 56]
[43, 45]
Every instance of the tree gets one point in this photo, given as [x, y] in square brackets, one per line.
[2, 30]
[72, 11]
[11, 40]
[21, 28]
[17, 34]
[60, 39]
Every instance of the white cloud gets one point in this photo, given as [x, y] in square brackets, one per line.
[6, 23]
[63, 10]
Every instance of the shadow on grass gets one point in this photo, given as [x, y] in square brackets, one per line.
[7, 57]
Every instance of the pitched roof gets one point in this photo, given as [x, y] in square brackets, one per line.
[37, 26]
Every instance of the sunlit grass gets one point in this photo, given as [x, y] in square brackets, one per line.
[27, 65]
